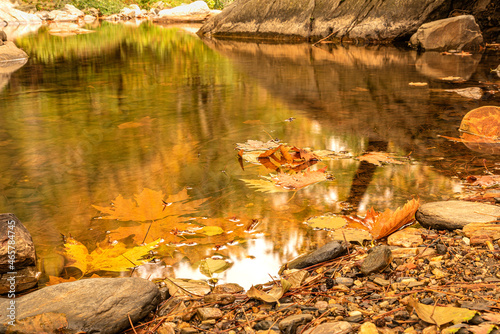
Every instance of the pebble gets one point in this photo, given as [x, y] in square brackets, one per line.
[292, 322]
[368, 328]
[207, 313]
[189, 330]
[382, 282]
[223, 298]
[228, 288]
[377, 260]
[321, 305]
[408, 237]
[339, 327]
[345, 281]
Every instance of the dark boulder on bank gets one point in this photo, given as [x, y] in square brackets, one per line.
[370, 20]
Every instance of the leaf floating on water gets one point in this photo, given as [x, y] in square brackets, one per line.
[257, 145]
[209, 266]
[114, 257]
[350, 235]
[471, 92]
[273, 295]
[377, 158]
[330, 222]
[211, 230]
[382, 224]
[327, 154]
[439, 315]
[264, 185]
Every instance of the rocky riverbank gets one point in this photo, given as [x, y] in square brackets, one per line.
[440, 279]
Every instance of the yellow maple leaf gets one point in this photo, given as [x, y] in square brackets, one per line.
[146, 206]
[114, 257]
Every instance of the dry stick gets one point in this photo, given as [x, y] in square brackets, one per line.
[131, 324]
[390, 312]
[146, 235]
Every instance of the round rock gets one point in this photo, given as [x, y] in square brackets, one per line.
[451, 215]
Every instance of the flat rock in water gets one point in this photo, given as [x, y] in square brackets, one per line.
[9, 52]
[377, 260]
[451, 215]
[95, 305]
[328, 252]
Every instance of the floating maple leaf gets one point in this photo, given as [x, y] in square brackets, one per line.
[298, 181]
[382, 224]
[114, 257]
[148, 205]
[377, 158]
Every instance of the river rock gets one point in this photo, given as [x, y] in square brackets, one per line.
[450, 215]
[9, 15]
[328, 252]
[17, 256]
[290, 323]
[339, 327]
[369, 20]
[195, 8]
[377, 260]
[454, 33]
[96, 305]
[486, 231]
[9, 52]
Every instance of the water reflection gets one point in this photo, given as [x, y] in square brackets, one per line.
[91, 117]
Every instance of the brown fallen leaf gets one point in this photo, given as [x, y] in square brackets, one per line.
[382, 224]
[440, 315]
[377, 158]
[273, 295]
[484, 180]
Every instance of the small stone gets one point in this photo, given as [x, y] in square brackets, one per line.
[263, 325]
[339, 327]
[207, 313]
[227, 288]
[408, 237]
[166, 329]
[345, 281]
[439, 273]
[321, 305]
[189, 330]
[289, 324]
[377, 260]
[382, 282]
[368, 328]
[427, 301]
[441, 249]
[223, 298]
[485, 230]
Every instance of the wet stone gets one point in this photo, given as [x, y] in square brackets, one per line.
[207, 313]
[327, 252]
[377, 260]
[189, 330]
[339, 327]
[290, 324]
[368, 328]
[408, 237]
[450, 215]
[345, 281]
[223, 299]
[382, 282]
[321, 305]
[228, 288]
[263, 325]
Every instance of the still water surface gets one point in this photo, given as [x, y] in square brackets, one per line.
[92, 117]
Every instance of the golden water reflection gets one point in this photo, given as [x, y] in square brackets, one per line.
[95, 116]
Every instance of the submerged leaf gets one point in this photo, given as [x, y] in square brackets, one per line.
[211, 230]
[330, 222]
[114, 257]
[439, 315]
[350, 235]
[209, 266]
[264, 185]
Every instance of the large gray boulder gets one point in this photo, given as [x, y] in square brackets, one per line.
[370, 20]
[96, 305]
[9, 52]
[455, 33]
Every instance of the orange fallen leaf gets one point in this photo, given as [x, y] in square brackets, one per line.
[382, 224]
